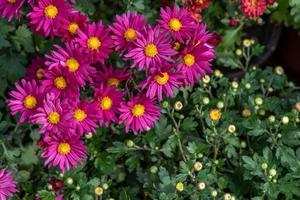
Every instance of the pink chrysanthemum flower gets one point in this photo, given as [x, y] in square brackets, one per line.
[84, 117]
[125, 30]
[36, 69]
[7, 185]
[95, 41]
[108, 101]
[54, 115]
[151, 49]
[139, 114]
[77, 65]
[162, 81]
[25, 99]
[48, 16]
[59, 81]
[178, 22]
[75, 21]
[64, 152]
[253, 8]
[10, 8]
[111, 76]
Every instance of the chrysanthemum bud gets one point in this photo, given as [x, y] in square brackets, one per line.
[279, 70]
[130, 143]
[234, 84]
[98, 191]
[247, 43]
[165, 104]
[264, 166]
[262, 112]
[285, 120]
[89, 135]
[279, 135]
[153, 169]
[206, 100]
[231, 128]
[248, 86]
[214, 193]
[262, 80]
[298, 106]
[271, 119]
[218, 73]
[243, 144]
[178, 105]
[201, 185]
[206, 79]
[220, 104]
[238, 52]
[258, 101]
[70, 181]
[246, 112]
[49, 186]
[198, 166]
[272, 172]
[77, 188]
[227, 196]
[179, 186]
[61, 175]
[105, 186]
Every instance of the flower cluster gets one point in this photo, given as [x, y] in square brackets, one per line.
[56, 92]
[254, 8]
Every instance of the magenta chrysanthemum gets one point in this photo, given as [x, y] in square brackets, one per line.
[108, 100]
[161, 81]
[10, 8]
[125, 30]
[253, 8]
[48, 16]
[95, 41]
[84, 116]
[151, 49]
[64, 152]
[75, 21]
[178, 22]
[25, 99]
[54, 115]
[139, 114]
[7, 185]
[36, 69]
[77, 65]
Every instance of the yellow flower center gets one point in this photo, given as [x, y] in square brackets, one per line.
[72, 28]
[63, 148]
[53, 118]
[51, 11]
[106, 103]
[93, 43]
[162, 79]
[138, 110]
[189, 60]
[130, 35]
[39, 73]
[79, 115]
[175, 24]
[11, 1]
[176, 46]
[215, 115]
[113, 82]
[60, 83]
[151, 50]
[30, 102]
[72, 64]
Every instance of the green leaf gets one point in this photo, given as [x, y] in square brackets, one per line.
[188, 124]
[169, 146]
[23, 38]
[45, 195]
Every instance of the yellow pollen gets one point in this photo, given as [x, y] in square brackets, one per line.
[113, 82]
[106, 103]
[51, 11]
[151, 50]
[72, 28]
[161, 80]
[72, 64]
[175, 24]
[53, 118]
[93, 43]
[39, 73]
[60, 83]
[138, 110]
[30, 102]
[79, 115]
[189, 60]
[11, 1]
[130, 35]
[63, 148]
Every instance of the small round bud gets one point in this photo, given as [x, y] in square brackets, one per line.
[201, 185]
[270, 89]
[165, 104]
[178, 105]
[78, 188]
[246, 112]
[279, 135]
[218, 73]
[70, 181]
[98, 191]
[214, 193]
[179, 187]
[279, 70]
[271, 119]
[198, 166]
[153, 169]
[61, 175]
[262, 112]
[206, 100]
[262, 80]
[231, 128]
[253, 68]
[258, 101]
[200, 155]
[206, 79]
[264, 166]
[227, 196]
[285, 120]
[243, 144]
[216, 162]
[89, 135]
[130, 143]
[220, 104]
[248, 86]
[247, 43]
[238, 52]
[105, 186]
[181, 116]
[49, 186]
[234, 84]
[272, 172]
[274, 180]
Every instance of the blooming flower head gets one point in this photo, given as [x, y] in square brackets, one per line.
[177, 21]
[139, 114]
[111, 76]
[77, 65]
[125, 30]
[108, 100]
[253, 8]
[215, 114]
[84, 115]
[60, 82]
[10, 8]
[64, 152]
[151, 49]
[57, 184]
[25, 99]
[7, 185]
[95, 41]
[75, 21]
[54, 115]
[48, 16]
[36, 69]
[162, 81]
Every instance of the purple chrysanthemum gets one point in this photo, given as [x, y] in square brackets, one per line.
[125, 30]
[10, 8]
[178, 22]
[151, 49]
[36, 69]
[7, 185]
[139, 114]
[77, 65]
[25, 99]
